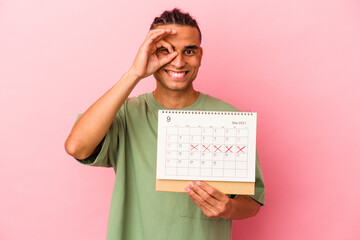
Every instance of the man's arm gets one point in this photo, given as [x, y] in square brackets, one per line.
[216, 204]
[93, 125]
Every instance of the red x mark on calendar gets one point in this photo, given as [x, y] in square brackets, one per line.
[241, 149]
[193, 147]
[228, 149]
[206, 148]
[217, 148]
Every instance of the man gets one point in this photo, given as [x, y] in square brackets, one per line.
[121, 133]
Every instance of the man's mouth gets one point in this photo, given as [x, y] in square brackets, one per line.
[176, 75]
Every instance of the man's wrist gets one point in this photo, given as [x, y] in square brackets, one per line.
[228, 214]
[132, 76]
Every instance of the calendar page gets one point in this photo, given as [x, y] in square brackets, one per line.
[206, 145]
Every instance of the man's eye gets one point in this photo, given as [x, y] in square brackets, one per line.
[189, 52]
[164, 50]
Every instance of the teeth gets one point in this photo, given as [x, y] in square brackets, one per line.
[176, 74]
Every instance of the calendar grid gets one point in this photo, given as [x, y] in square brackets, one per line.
[206, 152]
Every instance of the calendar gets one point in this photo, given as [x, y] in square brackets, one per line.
[206, 145]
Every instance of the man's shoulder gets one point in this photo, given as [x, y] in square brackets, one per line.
[142, 104]
[137, 101]
[211, 103]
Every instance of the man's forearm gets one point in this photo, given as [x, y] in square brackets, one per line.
[92, 126]
[243, 207]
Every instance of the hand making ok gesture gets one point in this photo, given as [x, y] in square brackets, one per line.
[148, 59]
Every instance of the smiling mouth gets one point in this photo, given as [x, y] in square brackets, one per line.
[176, 75]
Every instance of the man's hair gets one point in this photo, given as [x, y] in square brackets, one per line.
[176, 17]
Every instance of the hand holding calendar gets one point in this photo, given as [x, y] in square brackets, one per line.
[213, 203]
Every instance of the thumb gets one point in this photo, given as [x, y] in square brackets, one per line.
[168, 58]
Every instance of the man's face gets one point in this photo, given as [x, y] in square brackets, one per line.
[179, 74]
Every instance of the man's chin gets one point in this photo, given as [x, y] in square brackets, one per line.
[175, 87]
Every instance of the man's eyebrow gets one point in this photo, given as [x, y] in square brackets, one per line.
[192, 47]
[172, 46]
[186, 47]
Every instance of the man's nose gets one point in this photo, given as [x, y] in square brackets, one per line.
[178, 62]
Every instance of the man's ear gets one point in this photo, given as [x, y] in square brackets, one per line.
[201, 54]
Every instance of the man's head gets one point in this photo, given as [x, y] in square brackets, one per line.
[175, 17]
[180, 72]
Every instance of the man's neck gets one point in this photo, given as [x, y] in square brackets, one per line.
[176, 99]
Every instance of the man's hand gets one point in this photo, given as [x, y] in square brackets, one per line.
[216, 204]
[148, 59]
[212, 202]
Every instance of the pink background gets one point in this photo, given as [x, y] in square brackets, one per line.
[296, 63]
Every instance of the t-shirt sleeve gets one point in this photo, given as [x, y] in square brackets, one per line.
[259, 195]
[108, 155]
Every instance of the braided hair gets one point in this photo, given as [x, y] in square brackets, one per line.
[176, 17]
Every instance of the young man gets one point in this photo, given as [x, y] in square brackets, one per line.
[122, 133]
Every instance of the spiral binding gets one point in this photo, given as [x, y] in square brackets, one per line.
[208, 112]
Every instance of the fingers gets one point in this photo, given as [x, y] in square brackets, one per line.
[212, 202]
[156, 34]
[204, 189]
[147, 61]
[164, 44]
[204, 205]
[166, 59]
[162, 48]
[211, 191]
[165, 52]
[206, 196]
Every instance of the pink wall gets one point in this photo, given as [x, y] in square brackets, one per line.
[296, 63]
